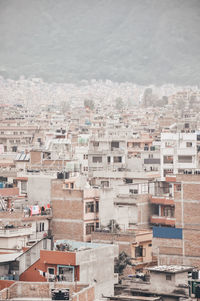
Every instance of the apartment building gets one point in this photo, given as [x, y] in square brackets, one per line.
[107, 153]
[175, 209]
[75, 208]
[179, 153]
[80, 262]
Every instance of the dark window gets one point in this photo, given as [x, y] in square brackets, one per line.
[185, 159]
[89, 228]
[178, 187]
[128, 181]
[117, 159]
[14, 149]
[97, 206]
[188, 144]
[108, 159]
[168, 277]
[51, 271]
[139, 251]
[95, 143]
[105, 183]
[115, 144]
[97, 159]
[168, 159]
[89, 207]
[41, 227]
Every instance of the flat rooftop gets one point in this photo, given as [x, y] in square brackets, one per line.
[173, 269]
[79, 245]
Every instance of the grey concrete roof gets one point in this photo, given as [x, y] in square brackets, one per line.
[9, 257]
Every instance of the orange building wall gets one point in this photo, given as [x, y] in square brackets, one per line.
[49, 259]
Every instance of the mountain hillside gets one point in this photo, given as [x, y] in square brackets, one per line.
[141, 41]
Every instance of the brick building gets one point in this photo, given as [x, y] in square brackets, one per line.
[176, 231]
[75, 209]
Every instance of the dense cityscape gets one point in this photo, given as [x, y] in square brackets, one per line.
[100, 150]
[103, 196]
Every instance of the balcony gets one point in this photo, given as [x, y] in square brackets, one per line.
[126, 199]
[163, 220]
[162, 200]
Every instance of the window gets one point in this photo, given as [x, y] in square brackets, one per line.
[97, 206]
[168, 211]
[188, 144]
[178, 187]
[89, 228]
[89, 207]
[168, 159]
[85, 157]
[128, 180]
[108, 159]
[85, 168]
[41, 227]
[168, 277]
[115, 144]
[97, 159]
[150, 156]
[51, 271]
[14, 149]
[95, 143]
[185, 159]
[105, 183]
[23, 186]
[138, 251]
[97, 225]
[117, 159]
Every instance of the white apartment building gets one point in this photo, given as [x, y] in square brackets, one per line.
[179, 153]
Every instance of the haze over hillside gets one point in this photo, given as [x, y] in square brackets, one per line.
[146, 42]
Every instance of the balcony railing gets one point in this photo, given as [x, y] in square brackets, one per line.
[163, 220]
[162, 200]
[20, 231]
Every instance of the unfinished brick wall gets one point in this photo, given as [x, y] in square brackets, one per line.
[43, 290]
[67, 211]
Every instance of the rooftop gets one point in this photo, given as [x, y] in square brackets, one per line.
[173, 269]
[79, 245]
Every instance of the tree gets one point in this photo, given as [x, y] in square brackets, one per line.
[119, 103]
[113, 226]
[89, 103]
[121, 262]
[147, 96]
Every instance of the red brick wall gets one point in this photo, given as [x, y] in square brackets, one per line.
[67, 230]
